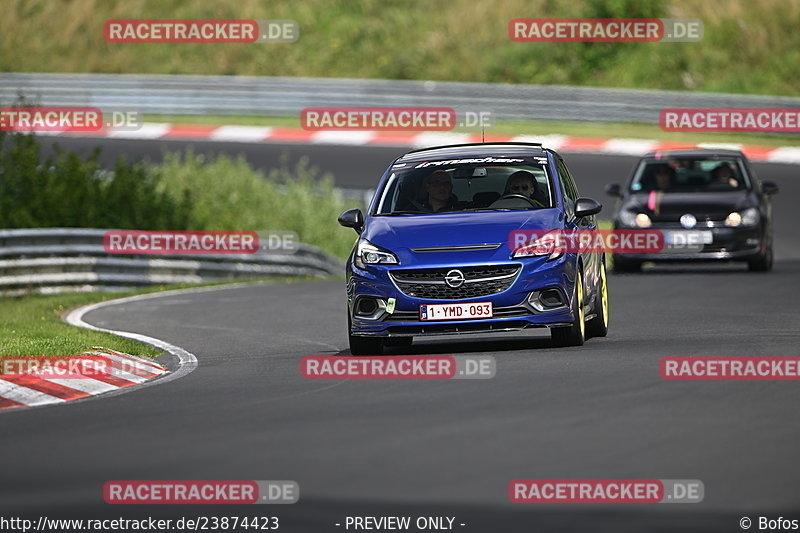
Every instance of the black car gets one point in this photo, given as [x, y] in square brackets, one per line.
[709, 204]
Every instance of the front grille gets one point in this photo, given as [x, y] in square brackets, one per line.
[428, 283]
[702, 223]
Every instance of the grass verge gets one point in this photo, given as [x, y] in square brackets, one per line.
[748, 46]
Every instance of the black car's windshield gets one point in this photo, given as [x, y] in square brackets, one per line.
[690, 174]
[485, 184]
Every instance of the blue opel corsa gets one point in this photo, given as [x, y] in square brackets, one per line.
[439, 252]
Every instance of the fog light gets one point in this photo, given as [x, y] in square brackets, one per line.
[369, 308]
[551, 298]
[546, 300]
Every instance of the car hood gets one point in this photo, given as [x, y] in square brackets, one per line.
[400, 234]
[703, 205]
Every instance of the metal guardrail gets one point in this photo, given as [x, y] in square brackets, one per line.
[50, 260]
[280, 96]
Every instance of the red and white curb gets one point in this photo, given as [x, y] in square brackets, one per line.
[185, 362]
[564, 143]
[125, 371]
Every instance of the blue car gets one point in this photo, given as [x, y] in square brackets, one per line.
[451, 244]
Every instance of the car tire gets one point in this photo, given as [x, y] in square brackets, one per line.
[622, 266]
[598, 326]
[575, 334]
[762, 263]
[366, 345]
[363, 345]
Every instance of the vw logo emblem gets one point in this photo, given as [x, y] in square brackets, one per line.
[688, 221]
[454, 279]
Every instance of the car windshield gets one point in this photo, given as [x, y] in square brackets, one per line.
[690, 174]
[487, 184]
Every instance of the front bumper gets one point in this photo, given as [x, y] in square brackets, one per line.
[512, 310]
[728, 244]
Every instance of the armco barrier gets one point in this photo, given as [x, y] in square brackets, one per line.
[282, 96]
[49, 260]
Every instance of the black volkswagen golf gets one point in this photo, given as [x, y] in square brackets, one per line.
[709, 204]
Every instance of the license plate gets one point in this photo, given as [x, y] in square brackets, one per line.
[455, 311]
[688, 238]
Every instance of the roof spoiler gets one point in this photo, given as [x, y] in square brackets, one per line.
[474, 144]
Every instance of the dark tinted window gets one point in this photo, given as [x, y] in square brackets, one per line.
[690, 174]
[439, 186]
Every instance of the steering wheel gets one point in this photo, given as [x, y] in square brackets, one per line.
[511, 196]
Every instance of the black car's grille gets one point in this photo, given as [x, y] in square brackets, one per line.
[429, 283]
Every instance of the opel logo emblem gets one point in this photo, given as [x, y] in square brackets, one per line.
[688, 221]
[454, 279]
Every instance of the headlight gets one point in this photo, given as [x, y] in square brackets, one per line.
[369, 254]
[550, 245]
[641, 220]
[627, 218]
[748, 217]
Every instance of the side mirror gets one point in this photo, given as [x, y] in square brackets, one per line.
[613, 189]
[585, 207]
[352, 218]
[769, 187]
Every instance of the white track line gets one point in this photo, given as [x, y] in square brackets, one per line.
[629, 146]
[548, 141]
[241, 134]
[343, 137]
[149, 130]
[788, 154]
[187, 361]
[440, 138]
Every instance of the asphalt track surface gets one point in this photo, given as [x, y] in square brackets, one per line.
[446, 448]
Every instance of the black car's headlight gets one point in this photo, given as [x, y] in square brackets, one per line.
[637, 220]
[369, 254]
[747, 218]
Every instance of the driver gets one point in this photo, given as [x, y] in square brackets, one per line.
[439, 187]
[522, 183]
[723, 175]
[665, 177]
